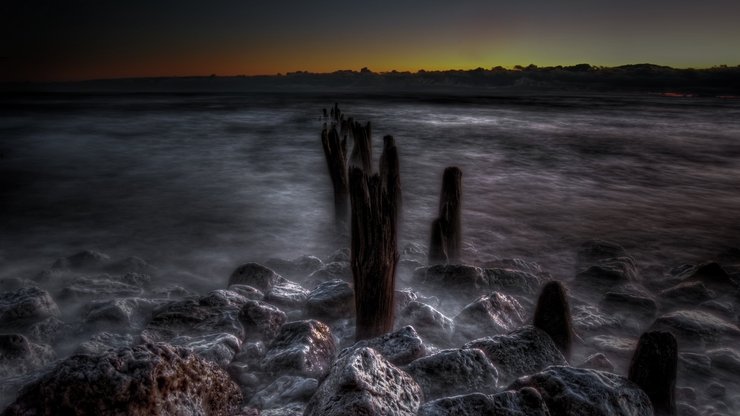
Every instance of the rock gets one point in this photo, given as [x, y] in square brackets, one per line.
[261, 320]
[172, 292]
[492, 314]
[255, 275]
[340, 255]
[298, 268]
[153, 379]
[285, 390]
[688, 292]
[292, 409]
[84, 260]
[287, 294]
[711, 274]
[569, 391]
[18, 356]
[399, 347]
[593, 251]
[100, 287]
[597, 361]
[131, 265]
[457, 278]
[332, 300]
[653, 369]
[698, 364]
[686, 394]
[215, 313]
[516, 264]
[217, 348]
[694, 328]
[249, 292]
[9, 284]
[402, 298]
[335, 270]
[364, 383]
[628, 303]
[525, 402]
[26, 306]
[302, 348]
[452, 372]
[621, 346]
[609, 272]
[48, 331]
[512, 281]
[725, 359]
[520, 352]
[127, 312]
[590, 319]
[103, 342]
[716, 391]
[429, 322]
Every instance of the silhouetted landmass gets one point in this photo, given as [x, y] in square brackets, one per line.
[721, 80]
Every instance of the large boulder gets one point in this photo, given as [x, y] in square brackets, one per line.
[525, 402]
[400, 347]
[18, 356]
[695, 328]
[452, 372]
[261, 320]
[710, 273]
[570, 391]
[520, 352]
[302, 348]
[287, 294]
[255, 275]
[25, 306]
[432, 324]
[334, 299]
[152, 379]
[364, 383]
[492, 314]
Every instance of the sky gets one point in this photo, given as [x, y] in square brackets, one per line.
[63, 40]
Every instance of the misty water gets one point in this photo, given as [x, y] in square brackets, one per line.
[198, 184]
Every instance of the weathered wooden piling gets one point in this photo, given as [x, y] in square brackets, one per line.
[446, 238]
[552, 315]
[363, 147]
[653, 368]
[335, 151]
[374, 199]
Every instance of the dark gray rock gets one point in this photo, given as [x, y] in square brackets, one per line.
[694, 328]
[302, 348]
[255, 275]
[616, 345]
[597, 361]
[99, 287]
[525, 402]
[84, 260]
[154, 379]
[569, 391]
[297, 268]
[249, 292]
[127, 312]
[516, 264]
[473, 281]
[48, 331]
[688, 292]
[400, 347]
[331, 300]
[725, 359]
[335, 270]
[217, 348]
[429, 322]
[341, 254]
[609, 272]
[452, 372]
[283, 391]
[716, 391]
[512, 281]
[492, 314]
[711, 274]
[593, 251]
[693, 364]
[364, 383]
[131, 265]
[261, 320]
[588, 319]
[103, 342]
[520, 352]
[18, 356]
[630, 303]
[26, 306]
[287, 294]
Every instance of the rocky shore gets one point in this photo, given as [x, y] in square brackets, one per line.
[96, 335]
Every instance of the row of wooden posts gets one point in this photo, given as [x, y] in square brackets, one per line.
[373, 211]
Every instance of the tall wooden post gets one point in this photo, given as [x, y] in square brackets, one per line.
[552, 315]
[335, 152]
[448, 230]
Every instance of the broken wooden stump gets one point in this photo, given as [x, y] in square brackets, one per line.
[374, 254]
[446, 238]
[654, 367]
[335, 151]
[552, 315]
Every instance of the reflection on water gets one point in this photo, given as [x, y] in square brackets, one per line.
[205, 181]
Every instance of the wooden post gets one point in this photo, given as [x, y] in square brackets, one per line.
[449, 222]
[335, 152]
[653, 368]
[374, 253]
[552, 315]
[363, 147]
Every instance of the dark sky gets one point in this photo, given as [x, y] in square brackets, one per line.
[84, 39]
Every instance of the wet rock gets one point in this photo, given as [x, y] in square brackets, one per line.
[590, 319]
[685, 409]
[217, 312]
[696, 328]
[292, 409]
[716, 391]
[283, 391]
[127, 312]
[569, 391]
[340, 255]
[172, 292]
[298, 268]
[520, 352]
[335, 270]
[261, 320]
[400, 347]
[18, 356]
[467, 280]
[302, 348]
[331, 300]
[694, 363]
[688, 292]
[249, 292]
[593, 251]
[516, 264]
[25, 306]
[452, 372]
[711, 274]
[287, 294]
[84, 260]
[609, 272]
[100, 287]
[429, 322]
[104, 341]
[255, 275]
[512, 281]
[722, 309]
[217, 348]
[492, 314]
[725, 359]
[131, 265]
[154, 379]
[48, 331]
[525, 402]
[686, 394]
[364, 383]
[623, 302]
[9, 284]
[402, 298]
[597, 361]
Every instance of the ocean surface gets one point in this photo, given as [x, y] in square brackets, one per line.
[200, 183]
